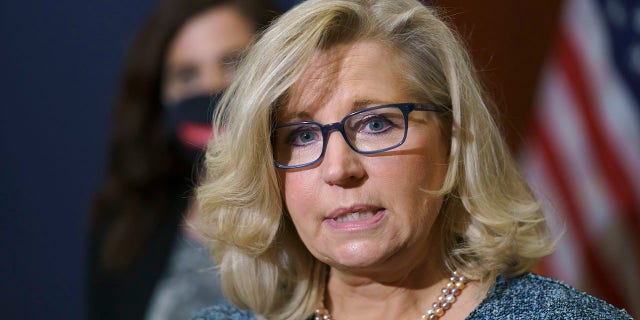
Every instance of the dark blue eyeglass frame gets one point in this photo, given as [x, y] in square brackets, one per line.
[406, 108]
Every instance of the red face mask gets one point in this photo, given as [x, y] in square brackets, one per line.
[187, 124]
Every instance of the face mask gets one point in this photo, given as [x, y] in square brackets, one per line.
[187, 124]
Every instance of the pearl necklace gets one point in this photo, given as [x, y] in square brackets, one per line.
[445, 300]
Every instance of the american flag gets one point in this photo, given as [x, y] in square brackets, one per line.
[583, 153]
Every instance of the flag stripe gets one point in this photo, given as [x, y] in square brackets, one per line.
[607, 158]
[561, 122]
[592, 263]
[616, 110]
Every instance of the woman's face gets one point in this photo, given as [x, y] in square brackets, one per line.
[354, 211]
[201, 58]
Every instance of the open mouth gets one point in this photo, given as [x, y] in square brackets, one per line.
[355, 216]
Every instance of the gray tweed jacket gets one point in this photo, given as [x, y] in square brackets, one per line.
[528, 296]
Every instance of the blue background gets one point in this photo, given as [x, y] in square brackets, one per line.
[59, 65]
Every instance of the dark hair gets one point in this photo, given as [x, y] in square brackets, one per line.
[143, 173]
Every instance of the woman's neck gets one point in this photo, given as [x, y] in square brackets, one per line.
[406, 297]
[390, 295]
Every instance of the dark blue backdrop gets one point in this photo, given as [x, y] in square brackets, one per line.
[59, 64]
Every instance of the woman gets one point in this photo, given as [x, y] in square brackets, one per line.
[362, 177]
[142, 262]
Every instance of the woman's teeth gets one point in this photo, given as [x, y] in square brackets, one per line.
[354, 216]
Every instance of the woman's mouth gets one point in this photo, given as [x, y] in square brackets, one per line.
[356, 218]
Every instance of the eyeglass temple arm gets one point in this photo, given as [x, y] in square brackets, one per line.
[431, 107]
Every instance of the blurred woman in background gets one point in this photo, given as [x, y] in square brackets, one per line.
[143, 262]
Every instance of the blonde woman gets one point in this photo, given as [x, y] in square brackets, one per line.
[361, 176]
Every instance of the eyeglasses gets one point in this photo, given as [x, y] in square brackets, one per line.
[367, 131]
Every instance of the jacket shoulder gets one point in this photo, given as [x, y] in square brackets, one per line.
[537, 297]
[223, 311]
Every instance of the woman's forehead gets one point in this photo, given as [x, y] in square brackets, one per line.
[358, 72]
[321, 74]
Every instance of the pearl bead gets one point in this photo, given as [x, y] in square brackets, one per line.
[451, 298]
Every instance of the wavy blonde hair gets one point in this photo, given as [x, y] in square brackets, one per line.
[493, 224]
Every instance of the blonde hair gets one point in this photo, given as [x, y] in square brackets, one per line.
[493, 225]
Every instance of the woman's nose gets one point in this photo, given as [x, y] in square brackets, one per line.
[341, 165]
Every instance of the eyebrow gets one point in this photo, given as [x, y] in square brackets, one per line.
[359, 104]
[306, 116]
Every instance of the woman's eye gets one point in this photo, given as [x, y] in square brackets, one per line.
[184, 76]
[375, 124]
[231, 61]
[303, 137]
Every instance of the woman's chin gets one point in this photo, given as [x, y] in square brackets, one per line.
[357, 256]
